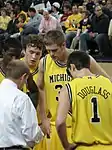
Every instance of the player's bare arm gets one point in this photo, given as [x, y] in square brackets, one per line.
[96, 68]
[63, 109]
[42, 103]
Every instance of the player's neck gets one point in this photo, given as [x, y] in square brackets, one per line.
[84, 72]
[31, 67]
[64, 57]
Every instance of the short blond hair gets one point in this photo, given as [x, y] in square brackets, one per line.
[54, 37]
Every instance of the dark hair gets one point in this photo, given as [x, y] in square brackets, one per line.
[14, 12]
[31, 9]
[23, 17]
[34, 41]
[68, 6]
[74, 4]
[16, 68]
[58, 9]
[12, 44]
[98, 6]
[4, 9]
[9, 2]
[54, 37]
[79, 59]
[12, 48]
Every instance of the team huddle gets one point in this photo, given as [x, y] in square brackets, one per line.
[75, 95]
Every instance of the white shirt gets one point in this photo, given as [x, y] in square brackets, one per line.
[18, 118]
[50, 24]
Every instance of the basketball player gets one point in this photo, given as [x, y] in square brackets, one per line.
[12, 48]
[32, 57]
[52, 77]
[89, 96]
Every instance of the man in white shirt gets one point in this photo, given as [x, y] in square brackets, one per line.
[48, 23]
[18, 119]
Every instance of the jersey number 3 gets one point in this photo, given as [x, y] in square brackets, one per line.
[95, 117]
[58, 87]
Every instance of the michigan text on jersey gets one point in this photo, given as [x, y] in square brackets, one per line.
[59, 77]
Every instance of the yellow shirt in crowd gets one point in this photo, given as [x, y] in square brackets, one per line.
[72, 22]
[4, 22]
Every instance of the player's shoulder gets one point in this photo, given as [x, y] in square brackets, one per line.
[73, 82]
[44, 58]
[105, 79]
[42, 63]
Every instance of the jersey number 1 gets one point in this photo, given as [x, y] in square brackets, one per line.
[95, 117]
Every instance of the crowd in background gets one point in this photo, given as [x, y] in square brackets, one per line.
[87, 24]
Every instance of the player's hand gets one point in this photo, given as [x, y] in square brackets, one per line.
[46, 127]
[71, 147]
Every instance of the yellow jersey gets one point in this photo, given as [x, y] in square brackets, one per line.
[91, 99]
[55, 77]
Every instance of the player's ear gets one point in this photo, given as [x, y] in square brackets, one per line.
[64, 44]
[72, 67]
[24, 76]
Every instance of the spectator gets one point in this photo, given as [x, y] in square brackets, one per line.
[48, 23]
[105, 9]
[67, 13]
[84, 6]
[100, 24]
[90, 6]
[73, 20]
[9, 7]
[22, 22]
[71, 25]
[32, 27]
[109, 5]
[4, 19]
[19, 11]
[80, 9]
[66, 2]
[55, 9]
[83, 27]
[35, 18]
[11, 28]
